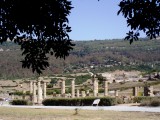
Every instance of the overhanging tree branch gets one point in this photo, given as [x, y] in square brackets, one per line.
[40, 27]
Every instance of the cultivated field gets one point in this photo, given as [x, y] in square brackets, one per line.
[54, 114]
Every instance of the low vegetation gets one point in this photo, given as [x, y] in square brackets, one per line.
[104, 101]
[155, 102]
[19, 102]
[147, 101]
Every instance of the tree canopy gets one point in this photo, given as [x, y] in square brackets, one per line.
[141, 15]
[41, 28]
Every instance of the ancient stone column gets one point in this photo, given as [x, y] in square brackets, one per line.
[148, 91]
[63, 87]
[116, 93]
[135, 91]
[87, 93]
[145, 92]
[73, 88]
[83, 93]
[44, 89]
[12, 96]
[34, 93]
[39, 98]
[31, 87]
[105, 88]
[24, 95]
[77, 93]
[95, 87]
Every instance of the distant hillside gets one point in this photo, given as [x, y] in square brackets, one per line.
[96, 55]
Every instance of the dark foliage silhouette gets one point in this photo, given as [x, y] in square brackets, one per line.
[40, 27]
[141, 15]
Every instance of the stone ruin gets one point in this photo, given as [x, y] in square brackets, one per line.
[38, 90]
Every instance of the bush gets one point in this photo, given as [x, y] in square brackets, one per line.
[51, 91]
[140, 99]
[19, 102]
[28, 93]
[148, 101]
[155, 102]
[144, 103]
[152, 102]
[119, 100]
[105, 101]
[50, 86]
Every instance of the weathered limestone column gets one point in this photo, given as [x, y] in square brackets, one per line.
[63, 87]
[34, 93]
[83, 93]
[105, 88]
[44, 89]
[39, 100]
[24, 96]
[148, 91]
[87, 93]
[151, 91]
[135, 91]
[41, 96]
[145, 92]
[77, 93]
[95, 87]
[73, 88]
[116, 93]
[12, 96]
[31, 87]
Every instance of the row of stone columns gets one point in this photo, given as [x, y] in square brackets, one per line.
[135, 91]
[72, 88]
[36, 89]
[37, 98]
[95, 88]
[148, 91]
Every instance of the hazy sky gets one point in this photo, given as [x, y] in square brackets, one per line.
[92, 20]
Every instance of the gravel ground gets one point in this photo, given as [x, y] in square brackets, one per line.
[113, 108]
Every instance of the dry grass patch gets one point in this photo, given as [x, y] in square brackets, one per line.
[55, 114]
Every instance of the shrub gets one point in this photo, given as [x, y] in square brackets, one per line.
[28, 93]
[140, 99]
[119, 101]
[148, 101]
[49, 92]
[155, 102]
[104, 101]
[19, 102]
[140, 93]
[144, 103]
[49, 85]
[101, 91]
[19, 93]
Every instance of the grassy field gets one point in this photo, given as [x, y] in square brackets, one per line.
[54, 114]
